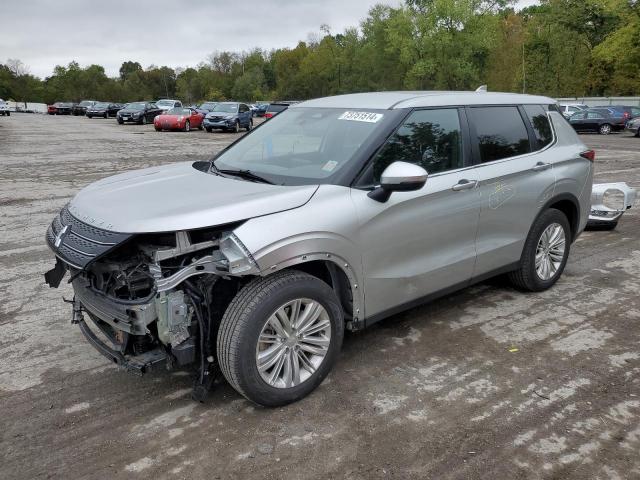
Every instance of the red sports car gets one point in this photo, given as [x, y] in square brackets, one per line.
[179, 119]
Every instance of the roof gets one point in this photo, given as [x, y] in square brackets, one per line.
[391, 100]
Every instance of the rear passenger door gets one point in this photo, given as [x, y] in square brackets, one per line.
[515, 177]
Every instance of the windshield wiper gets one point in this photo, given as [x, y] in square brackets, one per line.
[248, 174]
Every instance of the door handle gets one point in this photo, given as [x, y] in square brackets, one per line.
[540, 166]
[464, 184]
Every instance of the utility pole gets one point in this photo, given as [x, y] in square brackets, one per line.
[524, 72]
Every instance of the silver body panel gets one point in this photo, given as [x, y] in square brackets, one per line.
[600, 212]
[179, 197]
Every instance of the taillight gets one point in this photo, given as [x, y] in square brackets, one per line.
[268, 115]
[589, 155]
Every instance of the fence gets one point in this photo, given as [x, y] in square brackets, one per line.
[602, 101]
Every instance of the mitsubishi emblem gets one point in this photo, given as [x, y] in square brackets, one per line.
[61, 233]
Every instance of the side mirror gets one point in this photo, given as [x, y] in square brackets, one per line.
[399, 177]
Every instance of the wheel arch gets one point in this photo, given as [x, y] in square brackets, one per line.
[568, 204]
[338, 274]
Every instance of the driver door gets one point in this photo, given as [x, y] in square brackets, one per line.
[422, 242]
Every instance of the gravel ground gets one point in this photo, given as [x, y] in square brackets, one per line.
[486, 383]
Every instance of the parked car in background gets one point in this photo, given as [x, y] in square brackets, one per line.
[104, 109]
[261, 109]
[596, 120]
[332, 216]
[81, 108]
[633, 126]
[568, 109]
[64, 108]
[275, 108]
[52, 109]
[4, 108]
[206, 107]
[179, 118]
[628, 111]
[167, 104]
[229, 116]
[138, 112]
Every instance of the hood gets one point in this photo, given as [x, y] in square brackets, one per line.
[129, 110]
[221, 115]
[179, 197]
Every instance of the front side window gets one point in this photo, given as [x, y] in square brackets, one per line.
[429, 138]
[500, 132]
[540, 123]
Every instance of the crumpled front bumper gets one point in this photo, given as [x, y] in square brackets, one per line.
[602, 214]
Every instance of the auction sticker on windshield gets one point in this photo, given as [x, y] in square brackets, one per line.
[369, 117]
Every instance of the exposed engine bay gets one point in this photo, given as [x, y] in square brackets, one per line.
[148, 300]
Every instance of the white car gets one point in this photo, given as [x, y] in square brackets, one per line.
[4, 108]
[568, 109]
[166, 105]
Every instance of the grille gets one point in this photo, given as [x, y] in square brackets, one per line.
[80, 243]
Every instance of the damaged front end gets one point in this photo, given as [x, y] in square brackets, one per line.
[150, 299]
[609, 201]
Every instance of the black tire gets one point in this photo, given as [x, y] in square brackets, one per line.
[106, 115]
[120, 122]
[208, 129]
[143, 121]
[526, 277]
[187, 126]
[236, 127]
[9, 114]
[250, 126]
[604, 129]
[89, 116]
[244, 319]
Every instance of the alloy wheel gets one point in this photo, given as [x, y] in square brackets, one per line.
[550, 251]
[293, 343]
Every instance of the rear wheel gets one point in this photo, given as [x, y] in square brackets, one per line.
[605, 129]
[279, 337]
[545, 252]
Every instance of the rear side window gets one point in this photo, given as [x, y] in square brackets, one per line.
[540, 123]
[500, 132]
[429, 138]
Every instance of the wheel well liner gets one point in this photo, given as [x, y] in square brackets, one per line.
[569, 205]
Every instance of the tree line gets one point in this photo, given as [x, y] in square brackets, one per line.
[557, 48]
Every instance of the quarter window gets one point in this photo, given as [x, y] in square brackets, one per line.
[540, 123]
[429, 138]
[500, 132]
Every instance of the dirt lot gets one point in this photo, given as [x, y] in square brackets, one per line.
[438, 392]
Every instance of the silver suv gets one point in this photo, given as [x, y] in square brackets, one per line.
[333, 215]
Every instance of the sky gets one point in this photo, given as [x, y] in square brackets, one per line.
[175, 33]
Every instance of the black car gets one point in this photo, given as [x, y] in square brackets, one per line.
[275, 108]
[81, 108]
[261, 109]
[596, 120]
[64, 108]
[138, 112]
[104, 109]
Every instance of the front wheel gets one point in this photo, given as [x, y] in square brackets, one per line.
[605, 129]
[236, 127]
[143, 121]
[208, 129]
[187, 126]
[250, 126]
[545, 252]
[279, 337]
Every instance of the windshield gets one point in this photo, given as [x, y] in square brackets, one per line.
[303, 145]
[101, 105]
[208, 105]
[162, 103]
[226, 108]
[85, 103]
[135, 106]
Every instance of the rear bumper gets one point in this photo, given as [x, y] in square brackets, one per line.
[600, 214]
